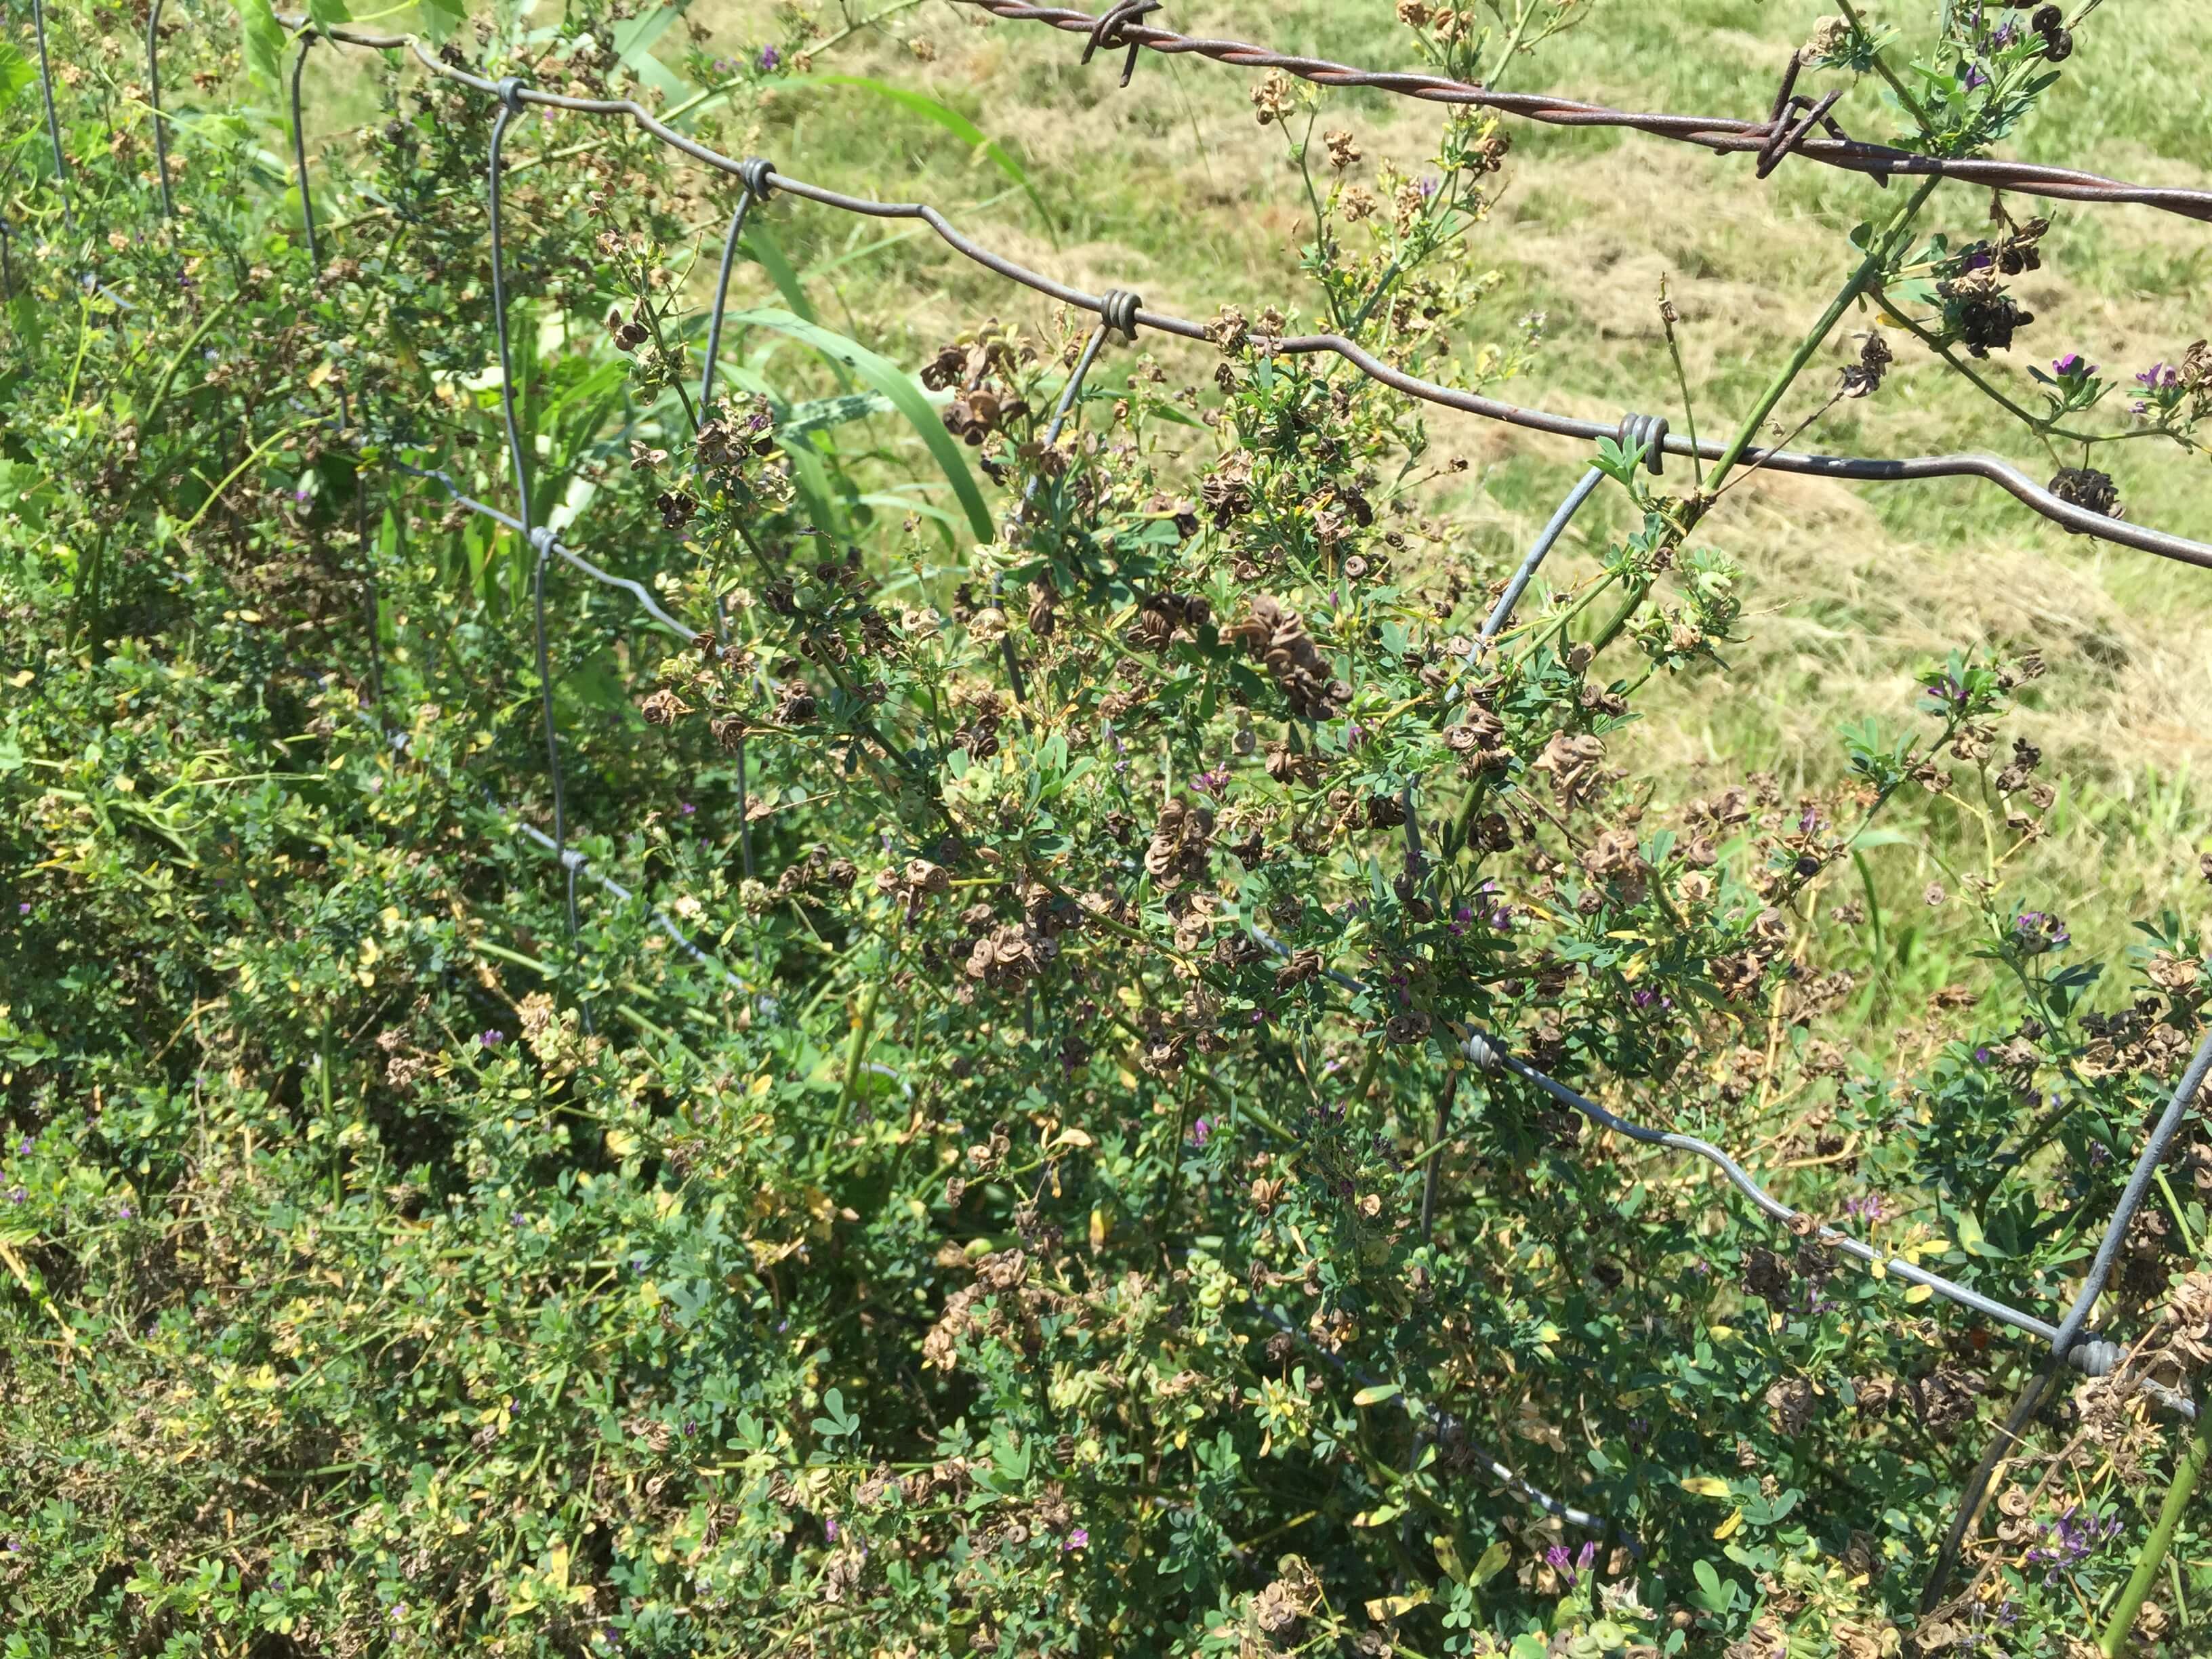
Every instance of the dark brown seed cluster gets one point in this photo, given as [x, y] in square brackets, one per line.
[1981, 315]
[2084, 486]
[1275, 634]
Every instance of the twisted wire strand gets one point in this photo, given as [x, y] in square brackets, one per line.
[1721, 135]
[1845, 468]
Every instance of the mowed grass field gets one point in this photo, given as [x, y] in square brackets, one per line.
[1172, 188]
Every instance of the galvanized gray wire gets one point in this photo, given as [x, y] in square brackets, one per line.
[53, 121]
[511, 104]
[161, 121]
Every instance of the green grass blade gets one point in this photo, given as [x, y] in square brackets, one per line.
[906, 396]
[952, 121]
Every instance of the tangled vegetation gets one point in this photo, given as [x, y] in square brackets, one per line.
[1051, 1211]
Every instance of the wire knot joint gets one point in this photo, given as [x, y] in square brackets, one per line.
[510, 92]
[1118, 310]
[542, 538]
[755, 171]
[1483, 1054]
[1649, 430]
[2094, 1356]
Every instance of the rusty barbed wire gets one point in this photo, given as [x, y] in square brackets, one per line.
[1721, 135]
[2069, 515]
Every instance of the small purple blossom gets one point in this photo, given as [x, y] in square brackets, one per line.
[2038, 931]
[1867, 1208]
[491, 1038]
[17, 1194]
[1201, 1131]
[1077, 1539]
[2071, 364]
[1211, 783]
[829, 1528]
[770, 60]
[685, 809]
[23, 909]
[2159, 377]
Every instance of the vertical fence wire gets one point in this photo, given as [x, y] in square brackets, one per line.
[53, 121]
[539, 539]
[154, 100]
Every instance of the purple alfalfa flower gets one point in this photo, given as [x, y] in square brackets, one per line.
[491, 1038]
[1077, 1539]
[24, 908]
[1201, 1131]
[2071, 364]
[125, 1212]
[1428, 188]
[2038, 931]
[17, 1194]
[829, 1528]
[2159, 377]
[23, 1146]
[1866, 1207]
[685, 809]
[1974, 78]
[1977, 258]
[1570, 1567]
[770, 60]
[1211, 783]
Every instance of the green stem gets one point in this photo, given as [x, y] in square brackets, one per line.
[169, 374]
[2155, 1548]
[863, 1024]
[1882, 69]
[1868, 269]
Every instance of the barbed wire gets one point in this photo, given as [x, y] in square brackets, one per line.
[1846, 468]
[2067, 1342]
[1769, 139]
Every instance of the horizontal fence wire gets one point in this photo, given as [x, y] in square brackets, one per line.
[2067, 1342]
[1721, 135]
[1852, 469]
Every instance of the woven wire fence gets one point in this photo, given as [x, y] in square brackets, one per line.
[2069, 1343]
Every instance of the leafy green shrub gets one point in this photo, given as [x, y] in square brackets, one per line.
[1052, 1211]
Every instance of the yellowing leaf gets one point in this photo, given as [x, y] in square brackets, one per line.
[1492, 1563]
[1918, 1293]
[1097, 1230]
[1393, 1606]
[1383, 1515]
[1727, 1528]
[621, 1143]
[1705, 1485]
[761, 1085]
[1377, 1395]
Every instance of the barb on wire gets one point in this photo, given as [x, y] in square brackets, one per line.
[1109, 31]
[1721, 135]
[1843, 468]
[154, 102]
